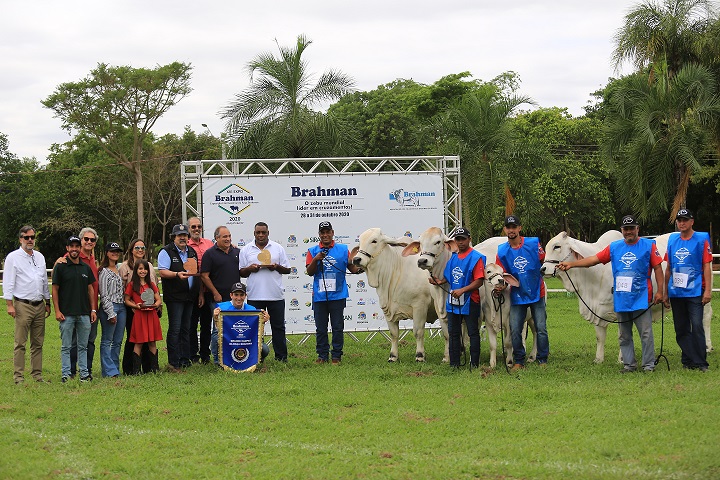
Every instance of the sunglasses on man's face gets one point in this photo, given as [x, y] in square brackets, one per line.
[195, 227]
[90, 240]
[28, 237]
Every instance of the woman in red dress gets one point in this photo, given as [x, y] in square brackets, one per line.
[146, 324]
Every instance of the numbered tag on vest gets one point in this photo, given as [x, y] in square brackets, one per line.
[327, 284]
[458, 302]
[623, 284]
[680, 280]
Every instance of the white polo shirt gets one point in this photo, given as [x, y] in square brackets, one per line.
[264, 284]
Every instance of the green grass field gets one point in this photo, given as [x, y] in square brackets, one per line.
[370, 419]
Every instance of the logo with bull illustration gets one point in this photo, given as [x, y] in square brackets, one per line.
[233, 199]
[520, 263]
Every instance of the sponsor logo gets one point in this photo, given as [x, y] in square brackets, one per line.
[294, 302]
[407, 199]
[361, 302]
[457, 274]
[361, 284]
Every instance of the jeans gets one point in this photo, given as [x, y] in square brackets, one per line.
[517, 320]
[178, 334]
[90, 349]
[643, 323]
[334, 310]
[111, 340]
[689, 330]
[203, 317]
[79, 327]
[214, 344]
[276, 310]
[455, 321]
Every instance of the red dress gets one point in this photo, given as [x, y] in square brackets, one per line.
[145, 324]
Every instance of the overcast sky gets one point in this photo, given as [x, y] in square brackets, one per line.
[561, 49]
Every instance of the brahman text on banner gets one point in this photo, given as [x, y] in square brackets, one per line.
[401, 204]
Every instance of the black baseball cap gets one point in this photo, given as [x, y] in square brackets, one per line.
[113, 247]
[512, 220]
[324, 226]
[461, 232]
[684, 213]
[238, 287]
[73, 239]
[628, 221]
[180, 229]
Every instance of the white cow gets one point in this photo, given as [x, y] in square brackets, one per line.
[595, 284]
[403, 289]
[435, 251]
[496, 311]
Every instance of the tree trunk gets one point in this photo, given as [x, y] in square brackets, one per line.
[140, 203]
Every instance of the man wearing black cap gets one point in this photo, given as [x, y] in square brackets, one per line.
[688, 280]
[327, 263]
[72, 294]
[237, 303]
[464, 274]
[180, 292]
[633, 259]
[523, 257]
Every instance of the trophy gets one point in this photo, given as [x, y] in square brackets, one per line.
[264, 258]
[148, 299]
[191, 267]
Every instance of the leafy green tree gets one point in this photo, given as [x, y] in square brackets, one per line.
[274, 117]
[663, 36]
[481, 131]
[118, 106]
[657, 136]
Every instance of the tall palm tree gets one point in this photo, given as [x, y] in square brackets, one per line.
[656, 135]
[663, 36]
[481, 129]
[274, 117]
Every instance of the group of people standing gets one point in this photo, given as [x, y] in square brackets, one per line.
[200, 275]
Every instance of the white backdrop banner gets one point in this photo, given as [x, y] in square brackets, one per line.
[401, 204]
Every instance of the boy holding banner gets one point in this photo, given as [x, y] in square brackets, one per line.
[240, 340]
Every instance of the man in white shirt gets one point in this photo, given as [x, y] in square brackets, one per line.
[264, 262]
[27, 295]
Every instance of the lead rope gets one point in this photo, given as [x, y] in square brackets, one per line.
[498, 308]
[662, 338]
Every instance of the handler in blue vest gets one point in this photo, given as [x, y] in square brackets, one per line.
[327, 263]
[464, 274]
[688, 280]
[633, 259]
[522, 257]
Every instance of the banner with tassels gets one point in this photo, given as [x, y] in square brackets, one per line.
[241, 335]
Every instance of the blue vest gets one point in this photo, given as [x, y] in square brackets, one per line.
[459, 273]
[524, 264]
[329, 280]
[685, 258]
[631, 273]
[228, 307]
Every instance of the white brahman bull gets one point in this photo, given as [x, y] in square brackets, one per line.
[403, 289]
[435, 251]
[496, 310]
[595, 284]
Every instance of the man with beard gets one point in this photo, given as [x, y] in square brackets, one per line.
[264, 262]
[72, 294]
[180, 292]
[522, 257]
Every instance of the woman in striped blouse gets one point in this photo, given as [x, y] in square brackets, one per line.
[112, 310]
